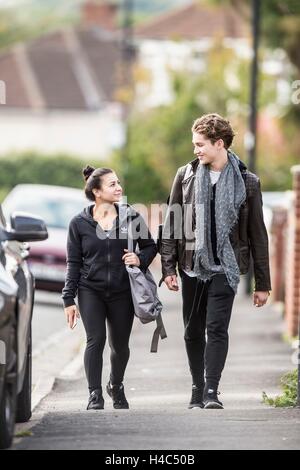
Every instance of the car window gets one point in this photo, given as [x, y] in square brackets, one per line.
[56, 212]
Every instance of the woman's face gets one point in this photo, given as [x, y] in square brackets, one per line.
[111, 190]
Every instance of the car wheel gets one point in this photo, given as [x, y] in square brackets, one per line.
[8, 401]
[24, 397]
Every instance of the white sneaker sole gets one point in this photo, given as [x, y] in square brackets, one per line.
[212, 405]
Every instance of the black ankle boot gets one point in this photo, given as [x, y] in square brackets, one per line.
[197, 397]
[116, 392]
[96, 401]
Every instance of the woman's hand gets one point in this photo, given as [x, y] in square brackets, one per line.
[72, 314]
[131, 259]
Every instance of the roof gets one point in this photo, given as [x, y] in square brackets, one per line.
[195, 21]
[76, 68]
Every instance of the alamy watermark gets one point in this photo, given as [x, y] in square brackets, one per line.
[2, 92]
[296, 94]
[178, 222]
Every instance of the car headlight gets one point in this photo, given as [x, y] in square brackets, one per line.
[2, 352]
[2, 301]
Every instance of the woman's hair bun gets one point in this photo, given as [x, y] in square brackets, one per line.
[87, 171]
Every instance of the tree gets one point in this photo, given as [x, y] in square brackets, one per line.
[21, 23]
[280, 28]
[160, 138]
[280, 24]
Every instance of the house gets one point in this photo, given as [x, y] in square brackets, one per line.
[179, 40]
[61, 89]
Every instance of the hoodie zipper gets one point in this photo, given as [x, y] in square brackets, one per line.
[108, 265]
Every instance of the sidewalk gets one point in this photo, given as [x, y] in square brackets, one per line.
[158, 388]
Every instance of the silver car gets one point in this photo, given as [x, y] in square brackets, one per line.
[56, 205]
[16, 304]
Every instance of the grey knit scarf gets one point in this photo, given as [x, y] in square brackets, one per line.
[230, 195]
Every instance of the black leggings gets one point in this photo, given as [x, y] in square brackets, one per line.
[95, 308]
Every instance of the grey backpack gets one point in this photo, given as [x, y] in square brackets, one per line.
[147, 306]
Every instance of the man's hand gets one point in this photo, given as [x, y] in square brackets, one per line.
[171, 282]
[260, 298]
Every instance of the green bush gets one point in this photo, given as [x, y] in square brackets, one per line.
[142, 184]
[33, 168]
[289, 386]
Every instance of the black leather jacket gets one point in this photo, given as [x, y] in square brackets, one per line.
[248, 235]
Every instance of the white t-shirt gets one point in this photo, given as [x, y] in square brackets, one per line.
[214, 176]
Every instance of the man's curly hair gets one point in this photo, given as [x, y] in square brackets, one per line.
[214, 127]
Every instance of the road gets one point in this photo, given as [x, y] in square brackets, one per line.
[158, 389]
[48, 317]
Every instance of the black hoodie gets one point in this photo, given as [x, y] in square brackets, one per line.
[94, 257]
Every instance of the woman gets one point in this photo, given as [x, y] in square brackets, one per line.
[96, 258]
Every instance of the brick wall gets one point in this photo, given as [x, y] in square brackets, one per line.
[292, 272]
[278, 253]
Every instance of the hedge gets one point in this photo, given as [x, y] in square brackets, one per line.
[31, 167]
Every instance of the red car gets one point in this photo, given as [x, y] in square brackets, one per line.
[56, 205]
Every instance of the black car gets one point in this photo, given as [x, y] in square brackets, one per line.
[16, 305]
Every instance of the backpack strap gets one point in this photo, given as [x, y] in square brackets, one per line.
[129, 238]
[188, 172]
[158, 332]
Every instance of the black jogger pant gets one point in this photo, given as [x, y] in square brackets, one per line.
[207, 309]
[96, 309]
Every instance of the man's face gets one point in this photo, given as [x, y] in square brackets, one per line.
[205, 150]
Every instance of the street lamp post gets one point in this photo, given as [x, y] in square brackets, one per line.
[127, 30]
[250, 138]
[127, 52]
[253, 87]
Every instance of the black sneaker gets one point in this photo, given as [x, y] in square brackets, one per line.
[116, 392]
[197, 397]
[211, 401]
[96, 401]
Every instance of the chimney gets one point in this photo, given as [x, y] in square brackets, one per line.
[100, 13]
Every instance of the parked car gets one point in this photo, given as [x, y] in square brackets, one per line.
[16, 304]
[56, 205]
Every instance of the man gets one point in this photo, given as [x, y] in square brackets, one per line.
[210, 238]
